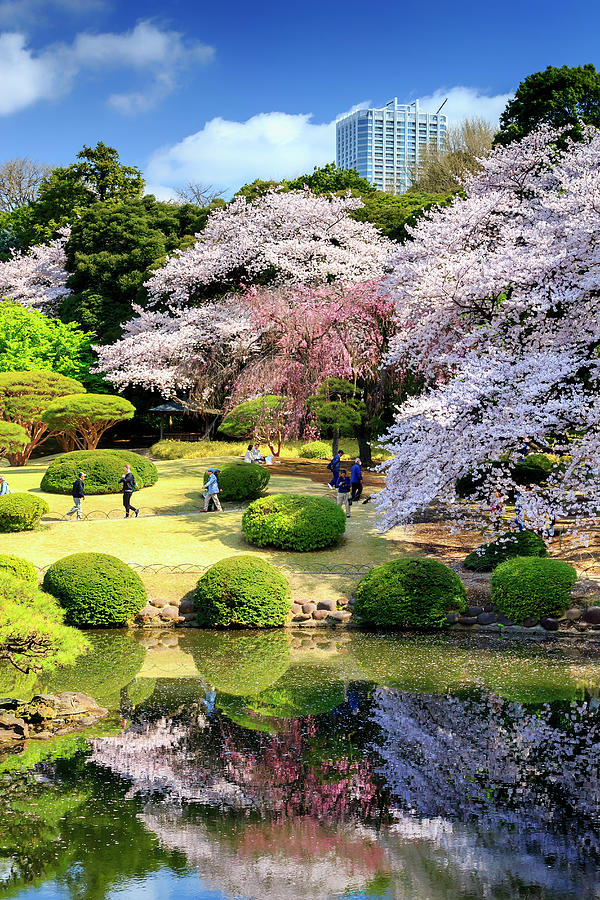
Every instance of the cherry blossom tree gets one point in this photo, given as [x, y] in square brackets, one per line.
[286, 237]
[496, 306]
[37, 278]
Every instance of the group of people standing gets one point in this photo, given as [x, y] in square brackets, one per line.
[348, 486]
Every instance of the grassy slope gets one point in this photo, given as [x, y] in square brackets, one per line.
[188, 536]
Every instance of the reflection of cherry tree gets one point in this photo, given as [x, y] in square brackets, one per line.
[493, 760]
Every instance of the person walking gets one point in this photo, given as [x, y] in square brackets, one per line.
[334, 465]
[78, 495]
[129, 486]
[343, 492]
[4, 488]
[212, 490]
[356, 480]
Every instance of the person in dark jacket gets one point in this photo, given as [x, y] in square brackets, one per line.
[343, 492]
[78, 495]
[334, 465]
[129, 486]
[356, 480]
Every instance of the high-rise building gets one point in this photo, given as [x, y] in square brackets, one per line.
[384, 145]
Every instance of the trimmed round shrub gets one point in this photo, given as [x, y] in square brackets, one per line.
[527, 586]
[241, 663]
[21, 512]
[20, 568]
[315, 450]
[507, 546]
[242, 481]
[242, 591]
[409, 593]
[293, 522]
[95, 589]
[103, 469]
[533, 469]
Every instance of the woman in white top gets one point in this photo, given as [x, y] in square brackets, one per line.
[248, 454]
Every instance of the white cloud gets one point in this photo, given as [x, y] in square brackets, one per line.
[466, 103]
[27, 77]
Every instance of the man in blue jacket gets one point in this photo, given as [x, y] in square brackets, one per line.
[212, 490]
[334, 465]
[343, 492]
[356, 480]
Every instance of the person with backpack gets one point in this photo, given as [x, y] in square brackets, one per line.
[343, 492]
[78, 495]
[334, 466]
[212, 491]
[129, 486]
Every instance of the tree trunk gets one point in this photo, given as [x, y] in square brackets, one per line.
[335, 441]
[362, 433]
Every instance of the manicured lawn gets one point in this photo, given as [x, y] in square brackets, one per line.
[171, 532]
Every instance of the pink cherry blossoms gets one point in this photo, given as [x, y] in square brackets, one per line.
[290, 236]
[496, 303]
[37, 278]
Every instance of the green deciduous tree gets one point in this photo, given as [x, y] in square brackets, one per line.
[328, 179]
[85, 417]
[562, 97]
[13, 438]
[262, 419]
[24, 396]
[33, 636]
[337, 408]
[392, 213]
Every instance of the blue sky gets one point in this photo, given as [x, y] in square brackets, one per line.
[223, 93]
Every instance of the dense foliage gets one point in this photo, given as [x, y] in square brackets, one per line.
[315, 450]
[33, 636]
[395, 214]
[293, 522]
[103, 468]
[243, 591]
[21, 511]
[242, 481]
[20, 568]
[86, 417]
[528, 587]
[12, 438]
[96, 589]
[513, 543]
[413, 593]
[240, 662]
[263, 419]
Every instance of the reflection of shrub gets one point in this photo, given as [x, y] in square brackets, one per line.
[240, 662]
[409, 592]
[527, 586]
[103, 468]
[114, 659]
[304, 690]
[513, 543]
[95, 589]
[293, 522]
[21, 512]
[20, 568]
[315, 450]
[243, 591]
[242, 481]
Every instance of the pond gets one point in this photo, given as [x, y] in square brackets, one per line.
[275, 766]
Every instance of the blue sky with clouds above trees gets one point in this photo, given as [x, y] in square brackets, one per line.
[223, 93]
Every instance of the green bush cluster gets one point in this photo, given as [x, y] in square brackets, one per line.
[95, 589]
[103, 468]
[242, 591]
[241, 663]
[170, 449]
[293, 522]
[21, 512]
[242, 481]
[20, 568]
[409, 593]
[528, 586]
[315, 450]
[507, 546]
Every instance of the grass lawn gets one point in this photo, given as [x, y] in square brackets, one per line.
[171, 532]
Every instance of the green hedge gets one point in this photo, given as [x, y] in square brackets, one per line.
[527, 586]
[533, 469]
[315, 450]
[507, 546]
[103, 468]
[241, 663]
[20, 568]
[242, 481]
[409, 592]
[242, 591]
[21, 512]
[293, 522]
[95, 589]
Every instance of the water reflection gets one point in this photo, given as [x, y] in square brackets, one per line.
[270, 766]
